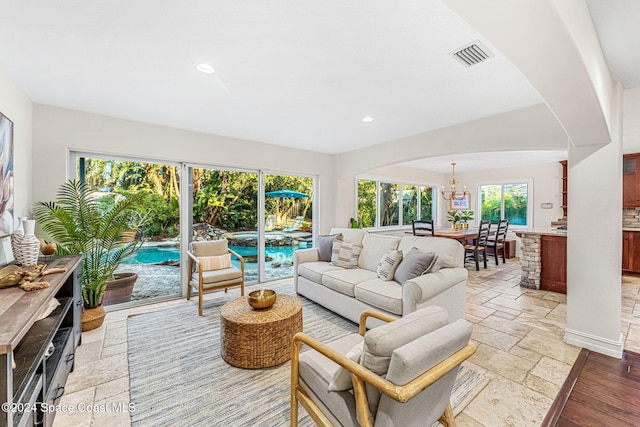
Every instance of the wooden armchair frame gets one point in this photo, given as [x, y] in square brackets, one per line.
[194, 264]
[360, 375]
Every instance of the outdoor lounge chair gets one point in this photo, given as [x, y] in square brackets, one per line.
[270, 223]
[297, 223]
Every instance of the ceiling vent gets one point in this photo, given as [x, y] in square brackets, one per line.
[472, 54]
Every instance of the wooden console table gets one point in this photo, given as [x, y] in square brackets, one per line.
[36, 378]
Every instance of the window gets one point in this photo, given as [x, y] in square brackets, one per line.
[383, 204]
[389, 204]
[426, 203]
[367, 206]
[409, 203]
[508, 201]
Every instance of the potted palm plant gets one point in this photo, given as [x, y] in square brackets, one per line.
[78, 225]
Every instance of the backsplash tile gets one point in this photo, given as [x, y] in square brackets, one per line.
[631, 218]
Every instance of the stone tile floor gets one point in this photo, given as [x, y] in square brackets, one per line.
[164, 280]
[518, 332]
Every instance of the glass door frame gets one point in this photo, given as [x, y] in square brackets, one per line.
[261, 213]
[186, 190]
[72, 173]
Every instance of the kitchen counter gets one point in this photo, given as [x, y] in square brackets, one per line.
[548, 231]
[543, 259]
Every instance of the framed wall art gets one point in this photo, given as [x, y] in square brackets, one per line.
[460, 202]
[6, 176]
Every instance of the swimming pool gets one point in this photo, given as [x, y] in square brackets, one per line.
[158, 254]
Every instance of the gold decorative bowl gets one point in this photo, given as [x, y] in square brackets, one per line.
[262, 299]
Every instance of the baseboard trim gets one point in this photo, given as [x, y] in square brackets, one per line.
[594, 343]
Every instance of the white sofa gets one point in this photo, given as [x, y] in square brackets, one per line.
[348, 292]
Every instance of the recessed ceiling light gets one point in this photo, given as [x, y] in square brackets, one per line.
[367, 119]
[205, 68]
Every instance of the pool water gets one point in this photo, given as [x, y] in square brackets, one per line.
[158, 254]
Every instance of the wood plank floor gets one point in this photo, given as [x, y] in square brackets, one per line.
[599, 391]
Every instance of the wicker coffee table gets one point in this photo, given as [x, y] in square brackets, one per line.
[259, 338]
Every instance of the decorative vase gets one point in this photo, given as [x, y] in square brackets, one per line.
[26, 247]
[19, 229]
[16, 237]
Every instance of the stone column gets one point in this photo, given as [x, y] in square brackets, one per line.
[530, 260]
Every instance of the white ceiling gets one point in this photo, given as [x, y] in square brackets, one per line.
[487, 161]
[618, 26]
[297, 73]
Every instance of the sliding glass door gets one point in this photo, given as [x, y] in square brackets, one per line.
[265, 216]
[157, 261]
[224, 204]
[288, 219]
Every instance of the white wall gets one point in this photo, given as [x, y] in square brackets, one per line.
[57, 131]
[631, 121]
[15, 105]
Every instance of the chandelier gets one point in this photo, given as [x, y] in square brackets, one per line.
[452, 194]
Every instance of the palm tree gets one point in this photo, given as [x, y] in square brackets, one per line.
[78, 226]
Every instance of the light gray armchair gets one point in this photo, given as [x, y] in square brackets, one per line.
[403, 376]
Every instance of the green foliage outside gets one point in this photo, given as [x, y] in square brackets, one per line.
[80, 224]
[515, 203]
[367, 203]
[224, 199]
[409, 203]
[389, 204]
[426, 203]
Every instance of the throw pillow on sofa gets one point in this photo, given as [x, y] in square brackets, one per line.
[388, 264]
[345, 254]
[325, 246]
[415, 263]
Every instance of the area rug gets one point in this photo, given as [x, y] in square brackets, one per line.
[178, 378]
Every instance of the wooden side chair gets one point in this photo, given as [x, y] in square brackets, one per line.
[211, 263]
[497, 241]
[422, 227]
[399, 374]
[479, 246]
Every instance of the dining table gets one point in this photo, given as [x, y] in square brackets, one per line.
[460, 235]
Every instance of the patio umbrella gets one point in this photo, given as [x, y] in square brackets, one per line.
[286, 194]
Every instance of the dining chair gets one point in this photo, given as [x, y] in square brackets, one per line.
[424, 226]
[497, 241]
[479, 246]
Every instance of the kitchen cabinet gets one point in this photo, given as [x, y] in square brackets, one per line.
[631, 252]
[631, 180]
[553, 261]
